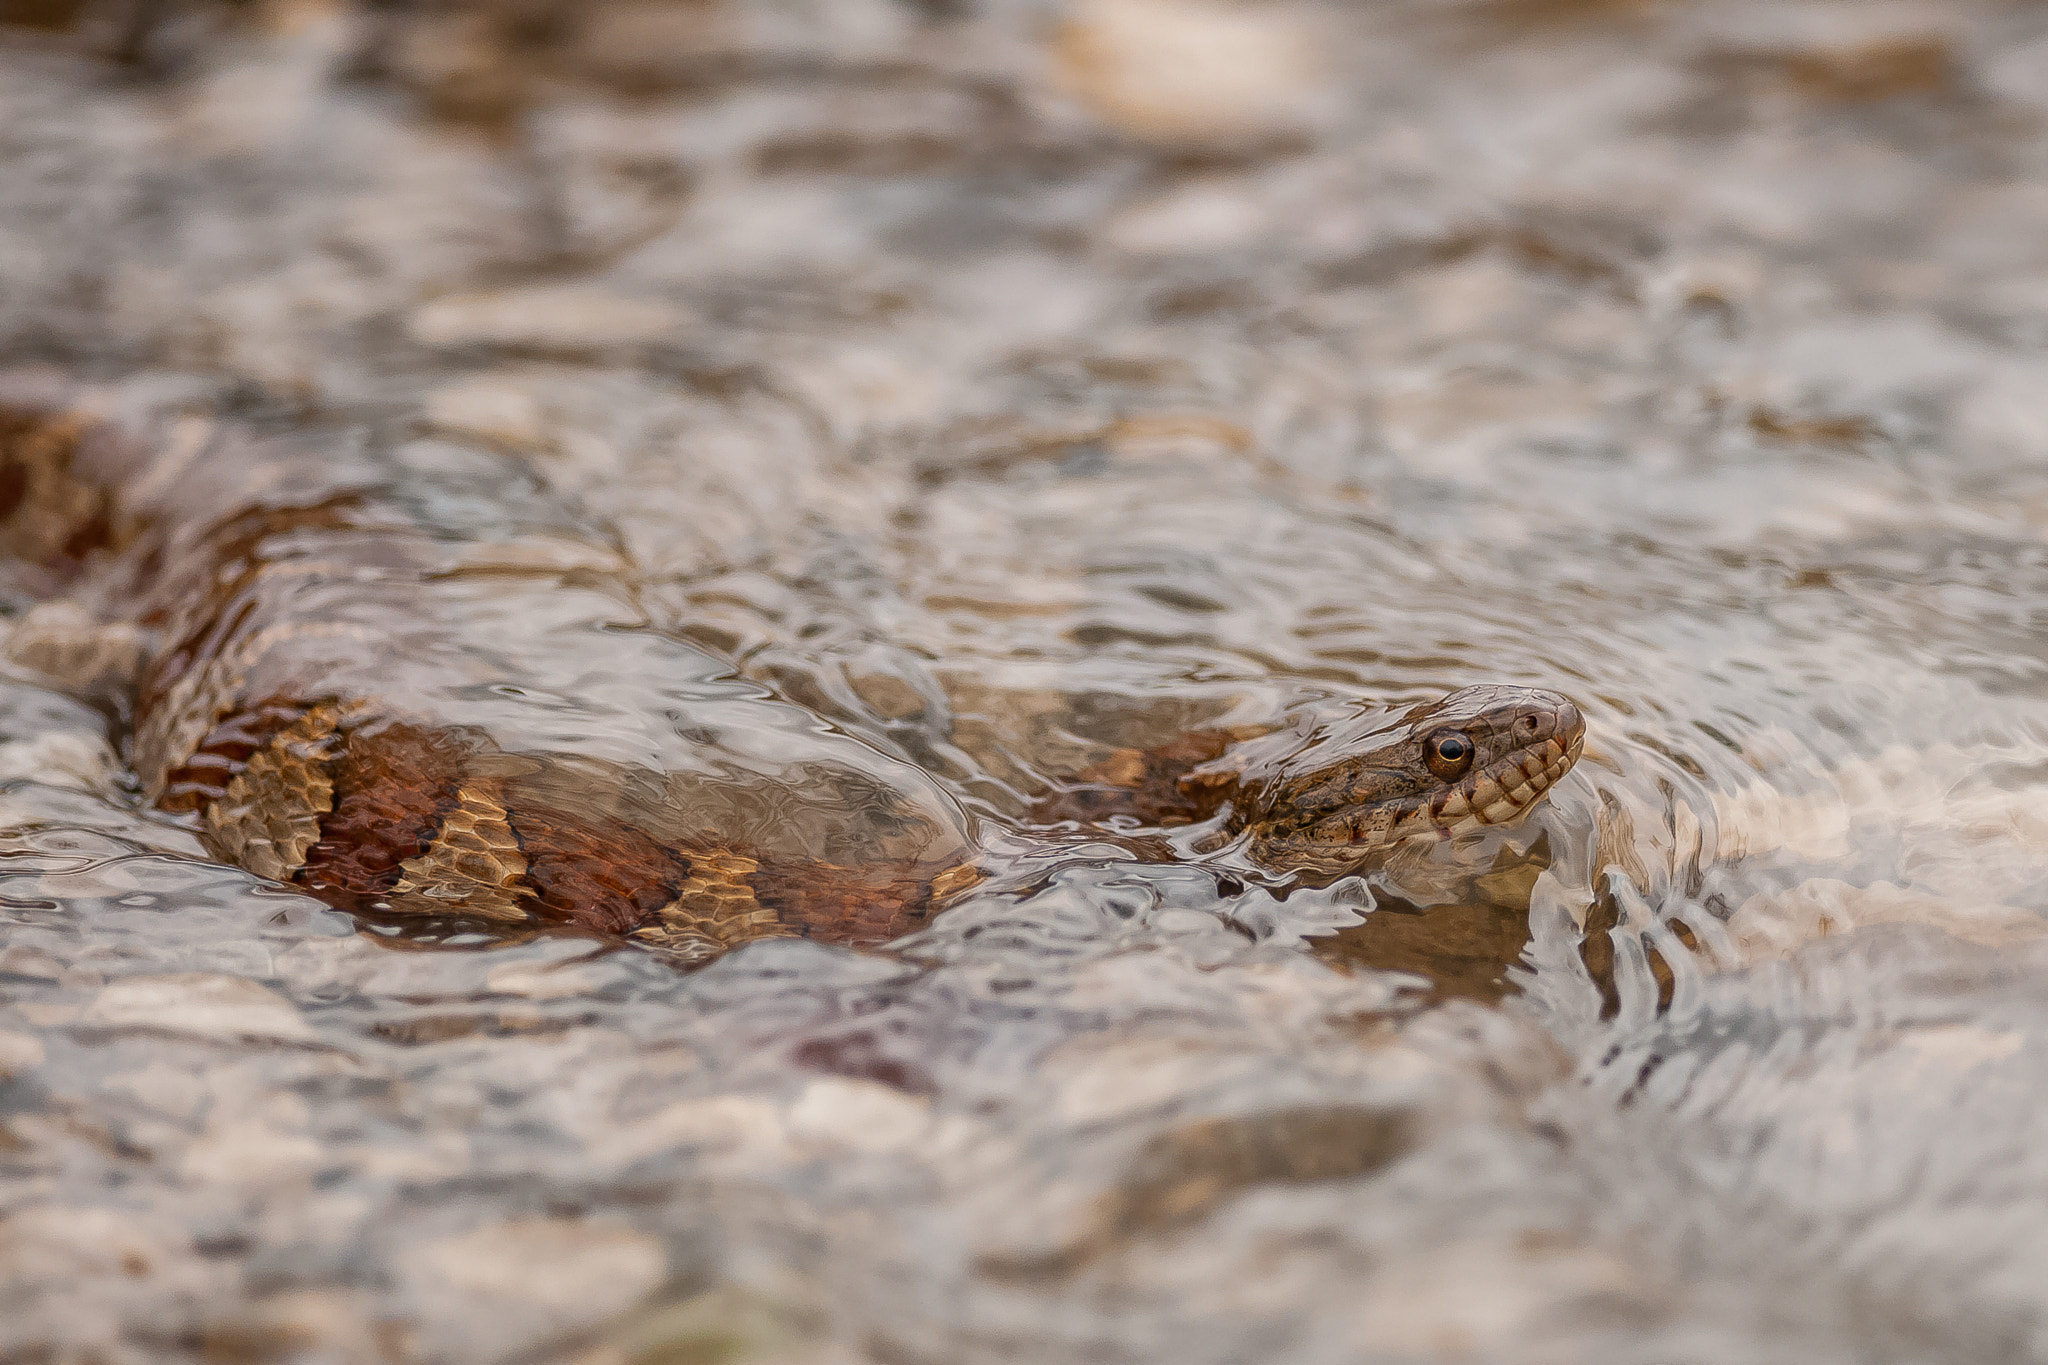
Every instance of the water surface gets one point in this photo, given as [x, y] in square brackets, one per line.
[1002, 384]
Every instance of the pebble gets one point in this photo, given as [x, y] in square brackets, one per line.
[199, 1005]
[19, 1053]
[860, 1114]
[1192, 71]
[507, 1287]
[487, 408]
[559, 318]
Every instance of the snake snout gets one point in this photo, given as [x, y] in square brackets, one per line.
[1571, 727]
[1550, 716]
[1537, 737]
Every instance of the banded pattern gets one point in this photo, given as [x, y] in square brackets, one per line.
[319, 694]
[391, 818]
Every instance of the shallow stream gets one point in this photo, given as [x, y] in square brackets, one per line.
[1004, 382]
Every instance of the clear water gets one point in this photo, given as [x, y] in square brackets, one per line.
[1003, 383]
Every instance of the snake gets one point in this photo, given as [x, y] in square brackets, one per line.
[345, 694]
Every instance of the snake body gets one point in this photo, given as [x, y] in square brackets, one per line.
[320, 681]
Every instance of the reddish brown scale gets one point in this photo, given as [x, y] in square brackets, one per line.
[860, 906]
[608, 880]
[204, 776]
[393, 787]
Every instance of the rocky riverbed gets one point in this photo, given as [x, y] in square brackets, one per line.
[1008, 381]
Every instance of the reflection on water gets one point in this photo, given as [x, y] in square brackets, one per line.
[1005, 386]
[1464, 946]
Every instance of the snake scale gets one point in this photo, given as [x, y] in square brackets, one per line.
[347, 696]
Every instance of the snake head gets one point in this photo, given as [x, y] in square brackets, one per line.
[1481, 756]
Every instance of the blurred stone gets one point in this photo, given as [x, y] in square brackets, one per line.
[549, 980]
[1844, 51]
[553, 318]
[1194, 72]
[52, 15]
[492, 409]
[199, 1005]
[460, 61]
[1183, 1173]
[509, 1288]
[1424, 1308]
[268, 1150]
[74, 1278]
[723, 1324]
[267, 90]
[1178, 438]
[891, 697]
[858, 1114]
[304, 1324]
[2007, 409]
[1207, 215]
[1776, 924]
[65, 759]
[651, 44]
[47, 1244]
[30, 963]
[655, 44]
[746, 1131]
[19, 1052]
[175, 1092]
[2018, 73]
[66, 642]
[1911, 64]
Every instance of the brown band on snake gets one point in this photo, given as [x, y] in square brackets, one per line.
[385, 818]
[394, 786]
[260, 714]
[613, 881]
[203, 777]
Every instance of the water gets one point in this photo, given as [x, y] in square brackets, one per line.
[1003, 384]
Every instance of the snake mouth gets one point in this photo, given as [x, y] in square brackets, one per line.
[1503, 792]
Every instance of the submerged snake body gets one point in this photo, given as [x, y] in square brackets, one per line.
[350, 698]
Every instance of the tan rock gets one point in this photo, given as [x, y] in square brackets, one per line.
[859, 1114]
[64, 642]
[1193, 71]
[321, 1323]
[251, 1153]
[489, 408]
[516, 1285]
[1208, 215]
[19, 1052]
[544, 317]
[1774, 924]
[199, 1005]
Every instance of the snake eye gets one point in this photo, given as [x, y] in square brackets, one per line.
[1448, 754]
